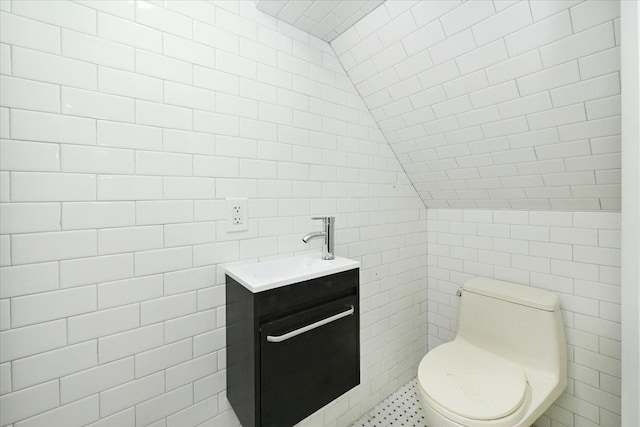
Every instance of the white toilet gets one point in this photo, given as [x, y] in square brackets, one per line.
[507, 364]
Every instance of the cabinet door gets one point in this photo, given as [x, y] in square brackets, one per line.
[307, 360]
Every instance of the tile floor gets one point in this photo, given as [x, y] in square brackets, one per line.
[402, 408]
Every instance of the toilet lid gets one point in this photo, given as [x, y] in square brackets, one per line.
[471, 382]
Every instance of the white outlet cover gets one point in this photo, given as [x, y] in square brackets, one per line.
[237, 216]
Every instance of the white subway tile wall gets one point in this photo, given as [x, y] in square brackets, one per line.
[573, 254]
[472, 96]
[123, 127]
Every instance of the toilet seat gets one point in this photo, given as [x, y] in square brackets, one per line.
[463, 381]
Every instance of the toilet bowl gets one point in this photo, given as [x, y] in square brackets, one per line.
[507, 364]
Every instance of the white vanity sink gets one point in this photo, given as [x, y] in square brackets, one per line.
[273, 274]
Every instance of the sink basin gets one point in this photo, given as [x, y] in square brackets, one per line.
[273, 274]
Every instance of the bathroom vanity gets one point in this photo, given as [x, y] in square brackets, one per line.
[293, 337]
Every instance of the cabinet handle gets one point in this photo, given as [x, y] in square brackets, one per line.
[296, 332]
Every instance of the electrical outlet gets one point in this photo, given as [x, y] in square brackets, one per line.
[237, 215]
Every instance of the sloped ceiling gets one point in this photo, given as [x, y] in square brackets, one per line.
[496, 104]
[325, 19]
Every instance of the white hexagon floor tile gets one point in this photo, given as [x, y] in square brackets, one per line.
[401, 409]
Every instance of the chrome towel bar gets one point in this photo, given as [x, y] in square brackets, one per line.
[296, 332]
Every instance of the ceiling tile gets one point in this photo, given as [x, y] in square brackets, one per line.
[325, 19]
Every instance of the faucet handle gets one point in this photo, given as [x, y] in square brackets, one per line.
[325, 218]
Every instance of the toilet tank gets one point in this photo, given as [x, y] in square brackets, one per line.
[520, 323]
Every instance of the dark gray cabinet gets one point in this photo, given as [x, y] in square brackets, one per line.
[293, 349]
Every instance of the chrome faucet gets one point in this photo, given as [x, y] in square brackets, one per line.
[328, 223]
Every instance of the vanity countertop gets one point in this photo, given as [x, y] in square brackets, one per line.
[262, 276]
